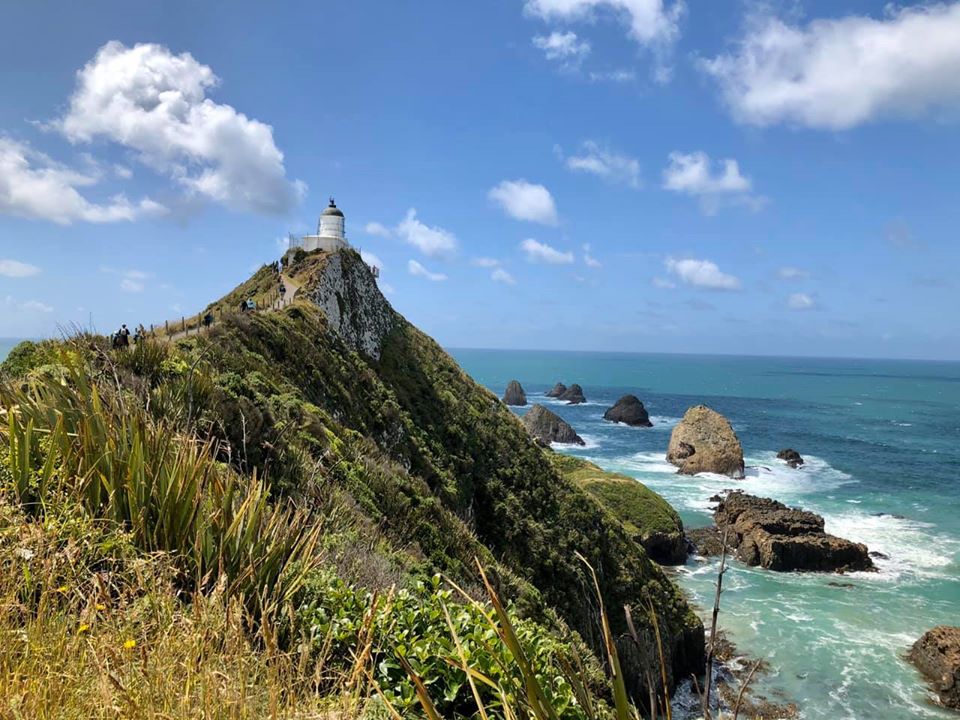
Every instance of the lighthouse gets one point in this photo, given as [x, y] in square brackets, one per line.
[331, 231]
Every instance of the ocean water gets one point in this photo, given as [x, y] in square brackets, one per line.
[882, 445]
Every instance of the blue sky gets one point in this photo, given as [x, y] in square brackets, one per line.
[638, 175]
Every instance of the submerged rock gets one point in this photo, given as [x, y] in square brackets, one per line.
[629, 411]
[776, 537]
[557, 390]
[514, 394]
[547, 427]
[791, 457]
[937, 656]
[573, 395]
[704, 441]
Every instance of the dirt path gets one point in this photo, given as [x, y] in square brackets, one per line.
[292, 288]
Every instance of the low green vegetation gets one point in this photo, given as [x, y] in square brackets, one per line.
[283, 527]
[640, 509]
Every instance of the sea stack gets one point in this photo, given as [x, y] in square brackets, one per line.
[629, 411]
[776, 537]
[548, 427]
[937, 656]
[791, 457]
[557, 390]
[514, 394]
[704, 441]
[573, 395]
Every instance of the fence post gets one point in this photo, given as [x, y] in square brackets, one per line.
[183, 324]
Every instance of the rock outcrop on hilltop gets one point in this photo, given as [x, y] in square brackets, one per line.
[573, 395]
[704, 441]
[767, 533]
[629, 411]
[514, 394]
[548, 427]
[557, 390]
[791, 457]
[937, 656]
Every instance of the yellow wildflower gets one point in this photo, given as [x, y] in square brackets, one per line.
[84, 627]
[62, 589]
[130, 644]
[101, 607]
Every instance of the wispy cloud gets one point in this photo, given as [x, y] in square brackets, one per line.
[539, 252]
[415, 268]
[801, 301]
[502, 276]
[17, 269]
[588, 259]
[596, 159]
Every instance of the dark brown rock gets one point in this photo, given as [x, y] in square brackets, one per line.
[706, 541]
[514, 394]
[629, 411]
[704, 441]
[937, 656]
[557, 390]
[791, 457]
[573, 395]
[547, 427]
[770, 534]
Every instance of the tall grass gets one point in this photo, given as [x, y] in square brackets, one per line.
[64, 435]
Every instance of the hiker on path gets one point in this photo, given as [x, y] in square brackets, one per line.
[122, 338]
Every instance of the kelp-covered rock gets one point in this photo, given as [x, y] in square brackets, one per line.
[548, 427]
[704, 441]
[937, 655]
[514, 394]
[770, 534]
[629, 411]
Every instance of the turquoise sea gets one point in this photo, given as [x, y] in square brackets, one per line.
[882, 444]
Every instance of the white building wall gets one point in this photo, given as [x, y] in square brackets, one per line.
[323, 242]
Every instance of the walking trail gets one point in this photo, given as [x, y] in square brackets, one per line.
[281, 302]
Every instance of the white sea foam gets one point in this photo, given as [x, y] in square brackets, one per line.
[914, 548]
[592, 442]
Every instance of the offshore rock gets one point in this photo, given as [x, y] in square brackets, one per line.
[704, 441]
[514, 394]
[937, 656]
[547, 427]
[776, 537]
[557, 390]
[629, 411]
[791, 457]
[573, 395]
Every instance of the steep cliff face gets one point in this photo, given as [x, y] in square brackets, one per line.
[342, 286]
[439, 462]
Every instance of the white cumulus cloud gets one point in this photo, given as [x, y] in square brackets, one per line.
[613, 167]
[415, 268]
[35, 187]
[649, 21]
[485, 262]
[17, 269]
[801, 301]
[524, 200]
[564, 47]
[701, 274]
[694, 174]
[155, 103]
[841, 72]
[431, 241]
[502, 276]
[539, 252]
[372, 260]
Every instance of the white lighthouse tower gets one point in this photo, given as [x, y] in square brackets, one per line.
[331, 231]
